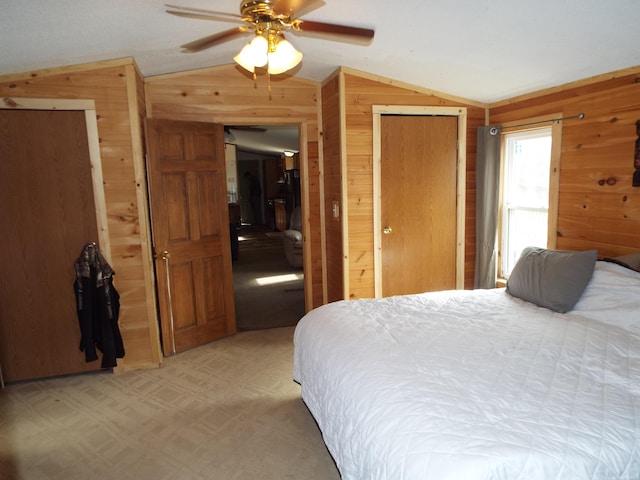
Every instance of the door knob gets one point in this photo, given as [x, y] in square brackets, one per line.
[164, 255]
[387, 230]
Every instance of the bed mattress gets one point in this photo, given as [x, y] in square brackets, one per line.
[478, 384]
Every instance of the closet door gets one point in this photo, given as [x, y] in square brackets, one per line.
[47, 215]
[418, 203]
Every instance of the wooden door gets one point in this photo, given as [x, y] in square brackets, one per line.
[190, 222]
[418, 203]
[47, 215]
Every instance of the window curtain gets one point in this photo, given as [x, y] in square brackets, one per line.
[487, 198]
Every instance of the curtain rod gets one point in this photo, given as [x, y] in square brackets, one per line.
[494, 130]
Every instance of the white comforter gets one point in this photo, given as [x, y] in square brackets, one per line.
[478, 384]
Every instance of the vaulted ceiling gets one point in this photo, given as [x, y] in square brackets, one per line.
[482, 50]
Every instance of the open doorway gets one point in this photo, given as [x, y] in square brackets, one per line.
[266, 196]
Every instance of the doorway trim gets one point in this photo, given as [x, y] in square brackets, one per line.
[461, 113]
[89, 108]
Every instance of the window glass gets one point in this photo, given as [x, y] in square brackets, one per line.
[525, 196]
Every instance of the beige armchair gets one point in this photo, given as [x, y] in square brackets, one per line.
[292, 239]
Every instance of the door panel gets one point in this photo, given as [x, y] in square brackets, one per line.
[184, 308]
[177, 214]
[187, 184]
[208, 192]
[418, 203]
[48, 214]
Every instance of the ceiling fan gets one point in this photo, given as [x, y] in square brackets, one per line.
[268, 20]
[246, 128]
[229, 137]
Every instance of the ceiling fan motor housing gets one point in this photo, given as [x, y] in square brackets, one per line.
[253, 8]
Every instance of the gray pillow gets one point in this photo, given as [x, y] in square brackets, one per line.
[554, 279]
[632, 261]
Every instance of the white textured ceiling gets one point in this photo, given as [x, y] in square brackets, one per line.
[477, 49]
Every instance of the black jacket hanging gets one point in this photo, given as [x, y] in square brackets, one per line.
[98, 306]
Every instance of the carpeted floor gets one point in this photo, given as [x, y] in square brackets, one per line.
[261, 259]
[228, 410]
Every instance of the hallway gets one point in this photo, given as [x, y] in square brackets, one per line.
[269, 293]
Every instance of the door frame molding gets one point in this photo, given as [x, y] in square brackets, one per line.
[461, 162]
[89, 108]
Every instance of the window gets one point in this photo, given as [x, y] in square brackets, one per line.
[525, 194]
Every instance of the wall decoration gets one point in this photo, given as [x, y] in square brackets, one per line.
[636, 158]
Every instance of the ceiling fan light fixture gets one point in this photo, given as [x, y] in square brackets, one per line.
[268, 20]
[253, 54]
[283, 58]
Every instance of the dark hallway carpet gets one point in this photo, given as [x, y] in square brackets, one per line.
[279, 301]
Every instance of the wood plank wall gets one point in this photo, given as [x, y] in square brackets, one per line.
[361, 92]
[598, 208]
[114, 86]
[226, 95]
[592, 213]
[331, 142]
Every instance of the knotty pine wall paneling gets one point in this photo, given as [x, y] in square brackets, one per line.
[360, 92]
[115, 87]
[333, 188]
[226, 95]
[598, 208]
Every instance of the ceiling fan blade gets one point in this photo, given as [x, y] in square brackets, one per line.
[200, 16]
[215, 39]
[296, 8]
[342, 33]
[203, 10]
[247, 128]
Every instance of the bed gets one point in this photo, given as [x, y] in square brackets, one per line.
[479, 384]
